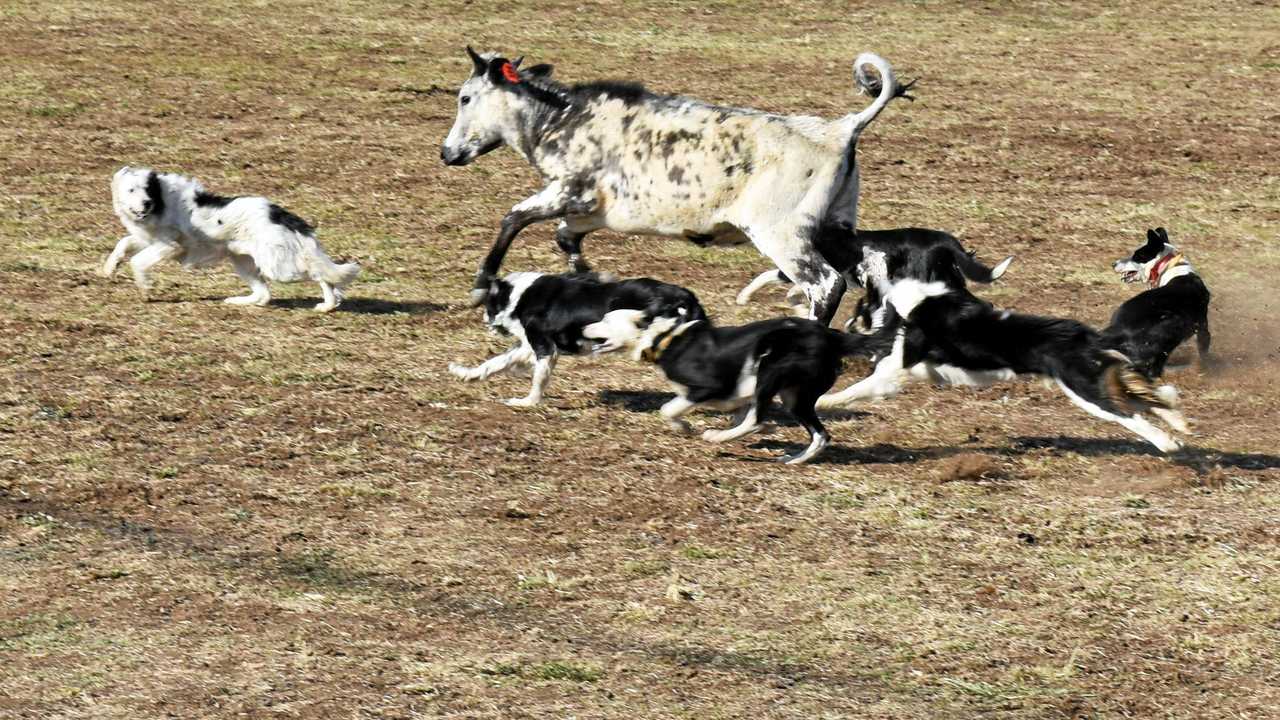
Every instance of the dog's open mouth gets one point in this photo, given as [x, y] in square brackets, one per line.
[1130, 276]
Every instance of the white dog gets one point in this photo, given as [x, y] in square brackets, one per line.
[172, 216]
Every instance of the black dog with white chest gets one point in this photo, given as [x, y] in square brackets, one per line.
[1149, 326]
[951, 337]
[547, 313]
[910, 252]
[736, 368]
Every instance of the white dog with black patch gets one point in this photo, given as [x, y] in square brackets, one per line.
[171, 216]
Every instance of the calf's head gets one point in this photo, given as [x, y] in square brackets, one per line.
[493, 104]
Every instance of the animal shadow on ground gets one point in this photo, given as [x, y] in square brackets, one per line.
[365, 306]
[1201, 460]
[644, 401]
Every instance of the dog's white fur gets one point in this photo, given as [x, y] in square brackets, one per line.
[519, 358]
[203, 236]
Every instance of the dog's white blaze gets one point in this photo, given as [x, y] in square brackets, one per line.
[1135, 423]
[520, 282]
[618, 329]
[906, 294]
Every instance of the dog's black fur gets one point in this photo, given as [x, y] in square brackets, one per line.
[554, 308]
[911, 252]
[956, 331]
[155, 194]
[1148, 327]
[548, 313]
[794, 359]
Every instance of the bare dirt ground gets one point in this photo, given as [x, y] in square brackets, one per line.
[208, 511]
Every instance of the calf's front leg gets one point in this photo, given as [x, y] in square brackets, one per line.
[551, 202]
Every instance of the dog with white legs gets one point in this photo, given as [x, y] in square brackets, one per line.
[171, 216]
[736, 368]
[547, 314]
[948, 336]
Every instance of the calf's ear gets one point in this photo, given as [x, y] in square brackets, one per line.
[503, 72]
[480, 65]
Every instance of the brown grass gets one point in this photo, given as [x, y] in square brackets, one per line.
[215, 512]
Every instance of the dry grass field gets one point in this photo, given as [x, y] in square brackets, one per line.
[211, 511]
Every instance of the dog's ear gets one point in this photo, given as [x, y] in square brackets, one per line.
[1164, 234]
[542, 70]
[1154, 239]
[155, 193]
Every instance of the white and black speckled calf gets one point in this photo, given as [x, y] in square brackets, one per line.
[616, 156]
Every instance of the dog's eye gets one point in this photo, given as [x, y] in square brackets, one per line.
[465, 99]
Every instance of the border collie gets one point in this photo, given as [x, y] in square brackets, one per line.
[949, 336]
[171, 216]
[926, 255]
[1149, 326]
[546, 314]
[736, 368]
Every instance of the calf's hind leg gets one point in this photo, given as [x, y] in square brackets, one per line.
[797, 258]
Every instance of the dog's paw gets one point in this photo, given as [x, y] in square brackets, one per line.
[107, 270]
[680, 426]
[716, 436]
[523, 402]
[325, 307]
[477, 297]
[462, 372]
[242, 300]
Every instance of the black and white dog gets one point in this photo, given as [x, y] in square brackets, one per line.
[547, 314]
[170, 216]
[1149, 326]
[926, 255]
[951, 337]
[736, 368]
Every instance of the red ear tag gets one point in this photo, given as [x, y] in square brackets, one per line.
[509, 72]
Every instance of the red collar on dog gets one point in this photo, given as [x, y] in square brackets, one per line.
[1166, 262]
[509, 72]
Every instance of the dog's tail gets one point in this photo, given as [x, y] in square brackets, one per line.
[975, 270]
[884, 89]
[321, 267]
[873, 346]
[1127, 387]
